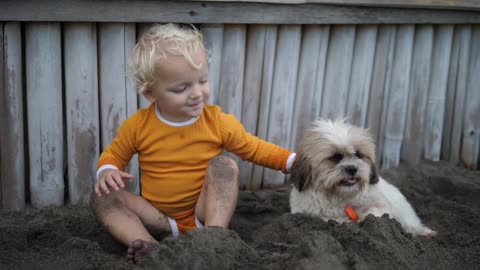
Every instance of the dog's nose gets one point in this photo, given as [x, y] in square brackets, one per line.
[351, 170]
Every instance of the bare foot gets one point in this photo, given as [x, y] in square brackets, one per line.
[140, 249]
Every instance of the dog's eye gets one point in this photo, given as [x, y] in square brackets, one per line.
[336, 158]
[358, 154]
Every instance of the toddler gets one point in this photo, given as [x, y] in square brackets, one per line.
[186, 182]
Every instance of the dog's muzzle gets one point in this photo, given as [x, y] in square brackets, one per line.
[350, 170]
[350, 180]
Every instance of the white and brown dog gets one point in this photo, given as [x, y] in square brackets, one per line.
[334, 177]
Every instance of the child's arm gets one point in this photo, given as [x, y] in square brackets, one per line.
[115, 158]
[248, 147]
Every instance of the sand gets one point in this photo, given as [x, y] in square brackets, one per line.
[264, 235]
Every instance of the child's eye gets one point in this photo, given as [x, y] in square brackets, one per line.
[179, 90]
[203, 81]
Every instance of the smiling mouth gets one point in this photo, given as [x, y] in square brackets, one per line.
[196, 104]
[348, 182]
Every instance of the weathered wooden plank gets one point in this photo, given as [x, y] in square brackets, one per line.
[141, 29]
[215, 12]
[45, 117]
[437, 92]
[361, 75]
[321, 71]
[339, 61]
[81, 88]
[471, 126]
[449, 4]
[12, 170]
[305, 104]
[213, 40]
[398, 93]
[131, 101]
[283, 94]
[255, 52]
[378, 92]
[118, 98]
[230, 89]
[232, 69]
[268, 65]
[456, 92]
[414, 142]
[3, 101]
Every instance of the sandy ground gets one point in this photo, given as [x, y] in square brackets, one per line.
[264, 235]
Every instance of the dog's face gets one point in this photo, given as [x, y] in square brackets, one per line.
[335, 158]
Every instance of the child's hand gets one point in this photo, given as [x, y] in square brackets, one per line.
[111, 179]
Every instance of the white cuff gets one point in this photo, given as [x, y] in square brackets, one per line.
[290, 161]
[104, 167]
[173, 226]
[199, 223]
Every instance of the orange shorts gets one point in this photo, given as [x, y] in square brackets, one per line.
[187, 222]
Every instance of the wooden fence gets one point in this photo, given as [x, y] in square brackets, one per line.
[414, 83]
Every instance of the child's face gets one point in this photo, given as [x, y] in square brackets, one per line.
[180, 90]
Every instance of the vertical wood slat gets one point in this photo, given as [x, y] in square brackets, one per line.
[255, 52]
[361, 74]
[283, 94]
[45, 115]
[305, 103]
[437, 92]
[12, 170]
[131, 101]
[268, 66]
[339, 60]
[83, 144]
[413, 144]
[231, 81]
[141, 28]
[378, 92]
[3, 119]
[398, 93]
[321, 71]
[471, 126]
[118, 98]
[213, 40]
[232, 69]
[456, 92]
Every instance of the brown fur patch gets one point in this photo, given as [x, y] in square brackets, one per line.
[373, 173]
[301, 174]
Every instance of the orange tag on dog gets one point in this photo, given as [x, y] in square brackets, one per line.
[351, 213]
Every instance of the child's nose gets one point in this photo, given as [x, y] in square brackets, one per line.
[196, 91]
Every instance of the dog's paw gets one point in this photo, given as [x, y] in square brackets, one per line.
[429, 232]
[424, 231]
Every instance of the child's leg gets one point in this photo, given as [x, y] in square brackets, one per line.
[127, 216]
[219, 194]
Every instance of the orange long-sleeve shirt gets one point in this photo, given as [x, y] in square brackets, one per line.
[173, 159]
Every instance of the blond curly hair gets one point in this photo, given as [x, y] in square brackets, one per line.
[156, 44]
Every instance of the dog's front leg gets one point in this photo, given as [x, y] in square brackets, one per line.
[376, 211]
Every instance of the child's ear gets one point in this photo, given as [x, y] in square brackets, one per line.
[148, 95]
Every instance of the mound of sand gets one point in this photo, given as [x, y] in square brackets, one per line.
[264, 235]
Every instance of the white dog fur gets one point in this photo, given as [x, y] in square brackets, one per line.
[335, 167]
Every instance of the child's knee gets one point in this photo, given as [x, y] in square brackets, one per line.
[105, 202]
[222, 167]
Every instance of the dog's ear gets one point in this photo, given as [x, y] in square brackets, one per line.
[373, 174]
[301, 174]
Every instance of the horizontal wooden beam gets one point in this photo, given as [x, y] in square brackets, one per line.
[445, 4]
[224, 12]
